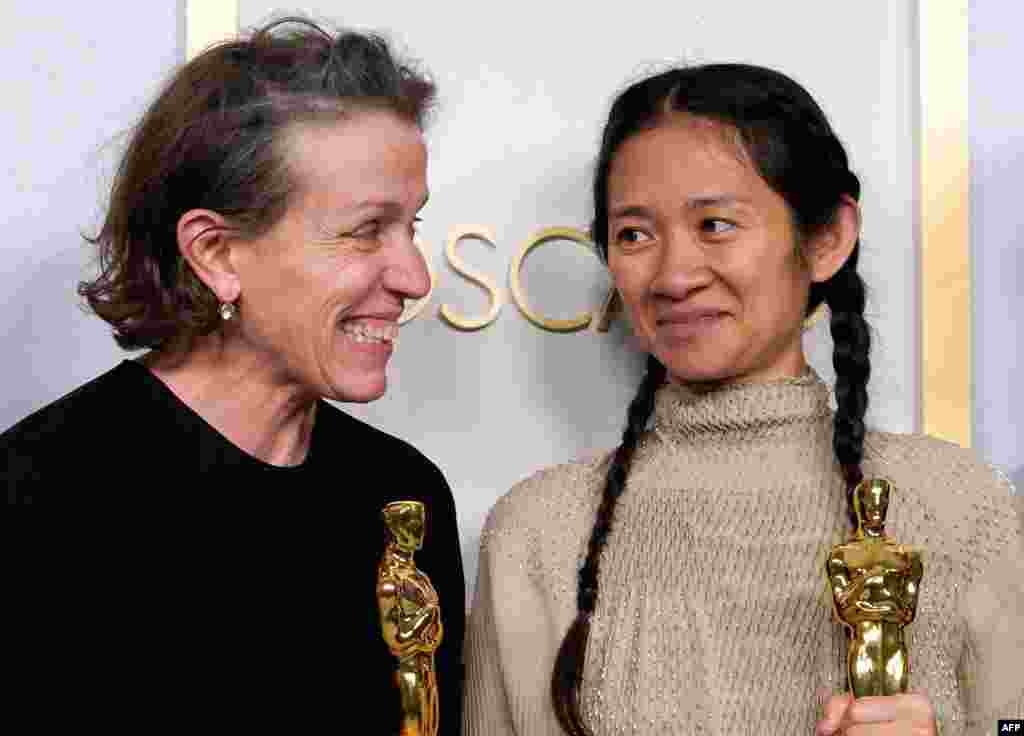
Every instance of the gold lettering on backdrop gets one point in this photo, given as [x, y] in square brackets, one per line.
[609, 310]
[599, 321]
[816, 316]
[413, 311]
[480, 232]
[549, 233]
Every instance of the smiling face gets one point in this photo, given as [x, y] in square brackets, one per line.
[705, 256]
[322, 290]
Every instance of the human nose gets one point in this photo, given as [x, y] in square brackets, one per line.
[407, 274]
[682, 269]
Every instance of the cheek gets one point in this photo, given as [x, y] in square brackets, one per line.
[343, 291]
[794, 288]
[771, 286]
[630, 279]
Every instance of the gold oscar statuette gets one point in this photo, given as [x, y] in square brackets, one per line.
[410, 617]
[874, 582]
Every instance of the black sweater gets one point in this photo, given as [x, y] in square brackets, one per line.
[196, 585]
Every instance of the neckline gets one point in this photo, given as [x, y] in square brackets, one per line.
[740, 409]
[160, 391]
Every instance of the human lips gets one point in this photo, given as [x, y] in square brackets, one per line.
[371, 330]
[689, 322]
[369, 333]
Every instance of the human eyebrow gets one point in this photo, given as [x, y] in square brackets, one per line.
[728, 200]
[631, 211]
[386, 207]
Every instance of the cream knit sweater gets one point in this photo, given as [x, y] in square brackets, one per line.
[712, 613]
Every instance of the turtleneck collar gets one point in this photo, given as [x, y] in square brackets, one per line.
[741, 409]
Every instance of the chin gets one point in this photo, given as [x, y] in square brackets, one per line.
[358, 392]
[687, 372]
[722, 361]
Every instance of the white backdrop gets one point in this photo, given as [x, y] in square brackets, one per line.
[997, 233]
[74, 82]
[524, 88]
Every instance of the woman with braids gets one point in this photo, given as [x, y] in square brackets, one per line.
[259, 247]
[676, 585]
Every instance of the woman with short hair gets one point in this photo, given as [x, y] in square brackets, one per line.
[259, 245]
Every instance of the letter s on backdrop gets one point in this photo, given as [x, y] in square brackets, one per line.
[480, 232]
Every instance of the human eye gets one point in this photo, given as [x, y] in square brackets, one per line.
[716, 226]
[367, 231]
[413, 227]
[631, 236]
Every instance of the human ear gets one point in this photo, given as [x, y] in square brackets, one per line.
[204, 243]
[828, 250]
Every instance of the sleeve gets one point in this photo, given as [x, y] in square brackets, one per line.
[992, 665]
[487, 711]
[511, 642]
[18, 468]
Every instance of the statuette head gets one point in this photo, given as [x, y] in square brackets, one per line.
[871, 502]
[406, 521]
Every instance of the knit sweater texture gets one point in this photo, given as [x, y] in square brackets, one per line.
[713, 615]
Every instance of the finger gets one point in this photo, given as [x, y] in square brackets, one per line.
[875, 709]
[887, 708]
[832, 714]
[892, 728]
[921, 707]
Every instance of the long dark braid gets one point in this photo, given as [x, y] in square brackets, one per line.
[568, 673]
[793, 147]
[851, 338]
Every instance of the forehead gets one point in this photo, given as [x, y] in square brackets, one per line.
[371, 155]
[683, 157]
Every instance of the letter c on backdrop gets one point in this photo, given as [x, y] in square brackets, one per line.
[549, 233]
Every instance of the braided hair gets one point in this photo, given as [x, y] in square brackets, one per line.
[795, 150]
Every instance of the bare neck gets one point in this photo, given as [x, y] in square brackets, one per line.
[263, 415]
